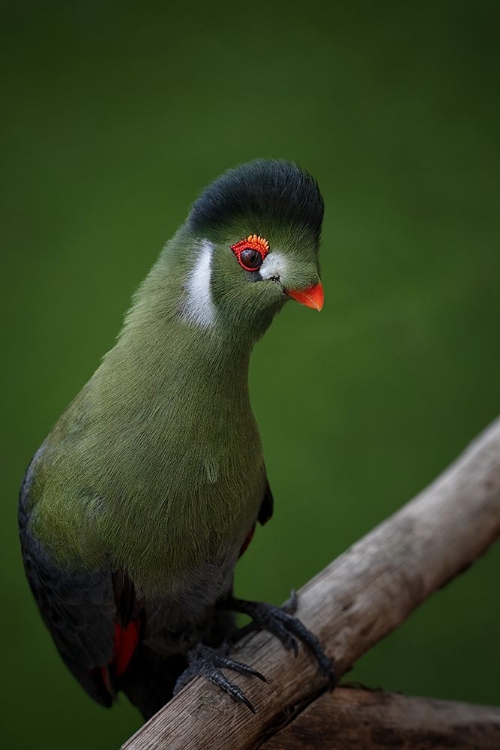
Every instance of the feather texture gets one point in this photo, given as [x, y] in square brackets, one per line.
[134, 511]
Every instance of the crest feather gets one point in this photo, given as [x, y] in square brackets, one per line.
[264, 188]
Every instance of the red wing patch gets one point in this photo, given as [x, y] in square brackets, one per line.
[247, 541]
[125, 643]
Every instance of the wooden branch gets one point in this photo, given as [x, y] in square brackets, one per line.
[374, 720]
[351, 605]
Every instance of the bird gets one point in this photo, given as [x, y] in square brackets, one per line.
[137, 506]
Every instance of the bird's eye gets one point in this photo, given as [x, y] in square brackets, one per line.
[251, 252]
[250, 258]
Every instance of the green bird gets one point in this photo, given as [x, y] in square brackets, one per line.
[136, 508]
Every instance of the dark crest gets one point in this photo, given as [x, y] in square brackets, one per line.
[276, 189]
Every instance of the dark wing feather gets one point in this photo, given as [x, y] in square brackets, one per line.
[267, 506]
[127, 607]
[78, 608]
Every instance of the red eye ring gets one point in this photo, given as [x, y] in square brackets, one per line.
[252, 242]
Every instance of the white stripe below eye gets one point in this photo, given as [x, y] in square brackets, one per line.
[199, 307]
[274, 265]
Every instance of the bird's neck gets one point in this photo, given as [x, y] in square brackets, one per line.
[185, 364]
[163, 339]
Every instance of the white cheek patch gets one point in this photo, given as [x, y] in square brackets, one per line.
[274, 265]
[199, 307]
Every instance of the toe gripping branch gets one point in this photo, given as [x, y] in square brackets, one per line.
[280, 621]
[207, 662]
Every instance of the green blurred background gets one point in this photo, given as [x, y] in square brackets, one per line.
[114, 117]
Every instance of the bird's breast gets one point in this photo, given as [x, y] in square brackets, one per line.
[159, 471]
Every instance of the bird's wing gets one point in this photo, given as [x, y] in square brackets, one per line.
[87, 613]
[265, 513]
[267, 506]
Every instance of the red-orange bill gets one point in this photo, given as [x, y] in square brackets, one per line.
[312, 297]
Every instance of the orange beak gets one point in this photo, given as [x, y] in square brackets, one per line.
[312, 297]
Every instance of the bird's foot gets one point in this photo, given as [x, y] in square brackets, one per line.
[207, 662]
[281, 622]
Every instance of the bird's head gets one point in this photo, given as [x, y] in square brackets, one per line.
[254, 234]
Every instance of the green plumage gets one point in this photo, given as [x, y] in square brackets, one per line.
[156, 468]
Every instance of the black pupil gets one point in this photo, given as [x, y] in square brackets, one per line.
[251, 258]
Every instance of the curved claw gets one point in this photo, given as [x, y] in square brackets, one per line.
[237, 666]
[207, 662]
[281, 622]
[291, 603]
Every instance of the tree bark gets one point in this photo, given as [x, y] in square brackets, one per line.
[351, 605]
[374, 720]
